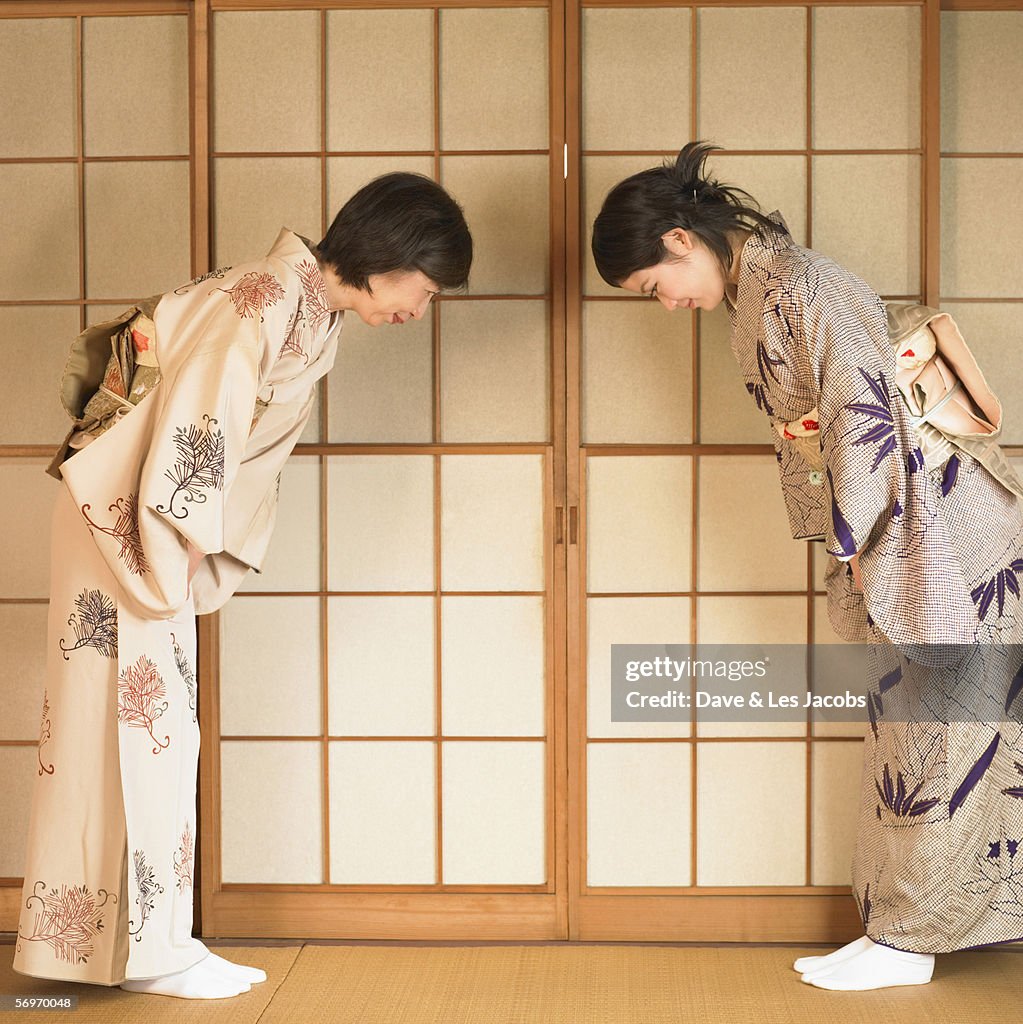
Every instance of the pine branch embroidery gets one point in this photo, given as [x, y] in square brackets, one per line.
[126, 532]
[149, 888]
[315, 292]
[199, 466]
[95, 624]
[293, 336]
[140, 698]
[185, 671]
[67, 921]
[253, 293]
[183, 859]
[217, 274]
[44, 736]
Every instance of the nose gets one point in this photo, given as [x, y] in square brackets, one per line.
[667, 303]
[420, 312]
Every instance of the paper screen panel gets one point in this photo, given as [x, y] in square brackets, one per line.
[25, 527]
[375, 101]
[637, 382]
[628, 620]
[866, 217]
[638, 523]
[151, 228]
[381, 386]
[382, 833]
[22, 668]
[381, 666]
[980, 223]
[638, 826]
[753, 620]
[271, 824]
[866, 77]
[743, 549]
[492, 658]
[39, 211]
[36, 340]
[135, 85]
[751, 813]
[837, 769]
[477, 403]
[775, 183]
[37, 81]
[728, 414]
[269, 104]
[18, 766]
[760, 103]
[494, 813]
[484, 497]
[253, 198]
[981, 81]
[636, 78]
[293, 559]
[493, 97]
[497, 192]
[380, 522]
[270, 667]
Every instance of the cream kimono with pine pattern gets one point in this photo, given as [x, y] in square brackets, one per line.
[109, 869]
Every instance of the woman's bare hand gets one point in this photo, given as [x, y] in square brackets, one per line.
[195, 556]
[854, 562]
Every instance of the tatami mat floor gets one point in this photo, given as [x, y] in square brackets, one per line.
[587, 983]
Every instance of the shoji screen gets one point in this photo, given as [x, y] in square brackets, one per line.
[981, 184]
[383, 762]
[683, 531]
[94, 166]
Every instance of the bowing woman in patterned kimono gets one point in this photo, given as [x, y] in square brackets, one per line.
[186, 408]
[884, 432]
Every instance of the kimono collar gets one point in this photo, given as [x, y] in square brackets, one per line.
[293, 249]
[755, 262]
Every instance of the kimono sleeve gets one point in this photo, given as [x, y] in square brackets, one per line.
[196, 450]
[881, 507]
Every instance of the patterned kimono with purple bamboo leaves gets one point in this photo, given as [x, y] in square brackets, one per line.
[111, 849]
[937, 864]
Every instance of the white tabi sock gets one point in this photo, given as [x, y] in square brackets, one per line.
[806, 963]
[876, 967]
[196, 982]
[253, 975]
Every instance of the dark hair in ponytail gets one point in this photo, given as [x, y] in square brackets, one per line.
[637, 211]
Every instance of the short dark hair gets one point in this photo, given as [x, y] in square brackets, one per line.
[399, 222]
[637, 211]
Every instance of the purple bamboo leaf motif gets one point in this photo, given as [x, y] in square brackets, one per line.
[974, 776]
[883, 431]
[891, 678]
[1016, 791]
[895, 798]
[1014, 687]
[949, 475]
[915, 461]
[766, 363]
[872, 714]
[1003, 580]
[843, 533]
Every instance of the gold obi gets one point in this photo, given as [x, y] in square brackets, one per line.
[111, 367]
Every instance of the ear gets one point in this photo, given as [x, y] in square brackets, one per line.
[678, 241]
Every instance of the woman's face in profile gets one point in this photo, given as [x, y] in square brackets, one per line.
[689, 278]
[395, 298]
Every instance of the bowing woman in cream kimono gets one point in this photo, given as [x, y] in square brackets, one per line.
[186, 408]
[884, 431]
